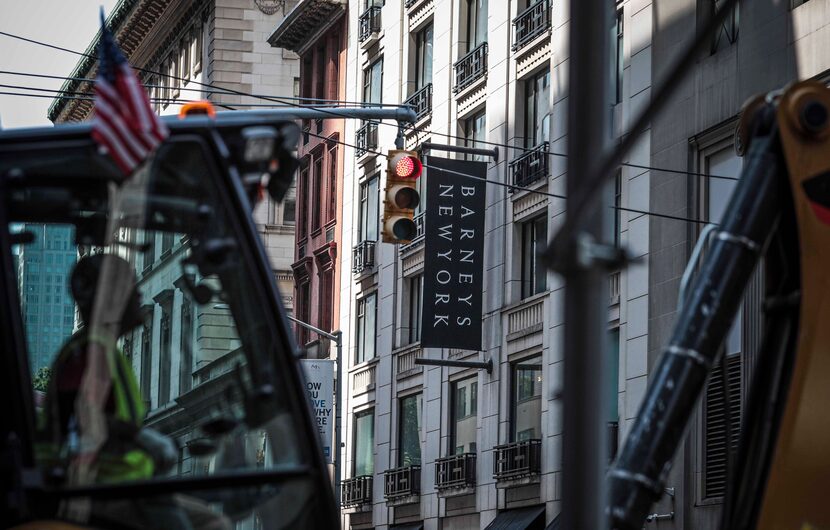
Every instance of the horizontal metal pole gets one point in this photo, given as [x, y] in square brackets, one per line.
[492, 153]
[486, 365]
[399, 114]
[336, 336]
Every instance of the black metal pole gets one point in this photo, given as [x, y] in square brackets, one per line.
[584, 452]
[486, 365]
[492, 153]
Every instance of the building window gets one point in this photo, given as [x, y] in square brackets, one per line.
[302, 222]
[537, 110]
[534, 277]
[526, 416]
[326, 292]
[373, 82]
[474, 134]
[367, 223]
[197, 49]
[617, 208]
[173, 72]
[718, 427]
[289, 208]
[165, 356]
[409, 430]
[718, 192]
[184, 61]
[463, 423]
[796, 3]
[723, 400]
[146, 357]
[727, 34]
[332, 202]
[303, 310]
[423, 58]
[416, 292]
[476, 23]
[364, 443]
[321, 73]
[619, 59]
[186, 347]
[166, 243]
[366, 328]
[317, 189]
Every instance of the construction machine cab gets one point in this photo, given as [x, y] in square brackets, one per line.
[184, 334]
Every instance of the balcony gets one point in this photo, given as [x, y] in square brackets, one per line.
[419, 234]
[471, 68]
[517, 460]
[532, 22]
[529, 167]
[405, 360]
[366, 139]
[356, 491]
[421, 102]
[368, 23]
[457, 472]
[363, 256]
[402, 484]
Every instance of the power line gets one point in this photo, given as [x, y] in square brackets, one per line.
[282, 100]
[85, 96]
[207, 91]
[169, 76]
[520, 188]
[512, 187]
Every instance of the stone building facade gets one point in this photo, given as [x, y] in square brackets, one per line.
[439, 447]
[316, 31]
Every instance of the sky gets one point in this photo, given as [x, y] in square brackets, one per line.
[70, 24]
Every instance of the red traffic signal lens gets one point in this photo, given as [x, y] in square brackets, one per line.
[408, 167]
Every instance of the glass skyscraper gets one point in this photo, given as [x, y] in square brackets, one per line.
[43, 272]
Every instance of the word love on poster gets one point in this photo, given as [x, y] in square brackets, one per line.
[453, 254]
[319, 383]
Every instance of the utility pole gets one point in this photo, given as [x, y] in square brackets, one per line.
[337, 338]
[584, 452]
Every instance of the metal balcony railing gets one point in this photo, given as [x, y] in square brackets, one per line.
[356, 491]
[471, 67]
[366, 139]
[457, 471]
[410, 3]
[421, 101]
[517, 459]
[402, 482]
[363, 256]
[368, 23]
[419, 233]
[530, 166]
[531, 23]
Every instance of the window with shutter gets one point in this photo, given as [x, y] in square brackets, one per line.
[716, 423]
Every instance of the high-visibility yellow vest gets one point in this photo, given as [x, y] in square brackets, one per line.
[116, 461]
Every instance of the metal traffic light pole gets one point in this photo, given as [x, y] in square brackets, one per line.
[584, 453]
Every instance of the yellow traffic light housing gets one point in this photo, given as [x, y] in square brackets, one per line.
[401, 196]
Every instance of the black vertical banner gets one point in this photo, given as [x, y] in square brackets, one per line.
[453, 254]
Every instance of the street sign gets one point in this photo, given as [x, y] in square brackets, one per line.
[319, 384]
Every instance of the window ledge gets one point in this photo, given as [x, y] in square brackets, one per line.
[365, 364]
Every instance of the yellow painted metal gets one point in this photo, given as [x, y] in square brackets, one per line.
[799, 479]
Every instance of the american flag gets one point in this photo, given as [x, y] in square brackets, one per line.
[124, 124]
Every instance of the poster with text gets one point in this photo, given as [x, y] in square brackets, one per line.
[453, 254]
[319, 381]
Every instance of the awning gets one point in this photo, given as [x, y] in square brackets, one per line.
[554, 525]
[408, 526]
[532, 518]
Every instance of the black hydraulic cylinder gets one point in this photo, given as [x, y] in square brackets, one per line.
[638, 474]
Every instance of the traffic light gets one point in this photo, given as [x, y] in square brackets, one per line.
[401, 196]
